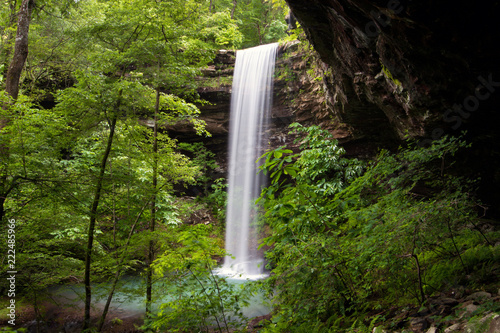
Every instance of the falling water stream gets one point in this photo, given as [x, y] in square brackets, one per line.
[251, 102]
[250, 107]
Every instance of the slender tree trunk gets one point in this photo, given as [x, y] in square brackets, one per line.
[204, 290]
[259, 33]
[233, 9]
[219, 293]
[20, 49]
[151, 254]
[36, 310]
[6, 31]
[13, 77]
[93, 218]
[2, 209]
[419, 275]
[119, 271]
[210, 7]
[6, 188]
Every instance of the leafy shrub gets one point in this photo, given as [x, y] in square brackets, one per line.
[203, 159]
[199, 299]
[304, 257]
[344, 241]
[202, 302]
[217, 199]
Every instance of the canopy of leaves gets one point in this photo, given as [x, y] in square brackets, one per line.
[96, 63]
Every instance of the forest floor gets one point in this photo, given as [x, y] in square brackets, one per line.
[454, 311]
[69, 319]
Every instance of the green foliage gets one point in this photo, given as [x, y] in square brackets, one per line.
[297, 210]
[389, 76]
[220, 28]
[258, 21]
[200, 299]
[216, 82]
[54, 159]
[286, 74]
[344, 237]
[275, 31]
[117, 321]
[122, 53]
[103, 64]
[13, 330]
[217, 199]
[295, 35]
[343, 241]
[203, 159]
[51, 184]
[202, 302]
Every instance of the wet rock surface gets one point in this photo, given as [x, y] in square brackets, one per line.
[406, 61]
[417, 68]
[456, 311]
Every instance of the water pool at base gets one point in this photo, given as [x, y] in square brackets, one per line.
[130, 300]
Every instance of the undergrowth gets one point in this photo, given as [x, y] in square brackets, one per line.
[350, 238]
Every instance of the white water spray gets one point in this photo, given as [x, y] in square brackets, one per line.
[251, 102]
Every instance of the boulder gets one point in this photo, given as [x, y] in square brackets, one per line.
[487, 324]
[479, 296]
[419, 324]
[432, 329]
[453, 328]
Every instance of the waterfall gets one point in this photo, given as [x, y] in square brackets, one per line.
[251, 102]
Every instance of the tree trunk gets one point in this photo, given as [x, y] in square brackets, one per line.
[93, 217]
[151, 254]
[6, 188]
[119, 271]
[233, 9]
[2, 209]
[13, 77]
[20, 49]
[5, 51]
[260, 35]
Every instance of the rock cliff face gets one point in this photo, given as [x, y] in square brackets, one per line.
[406, 62]
[295, 94]
[421, 68]
[387, 69]
[215, 88]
